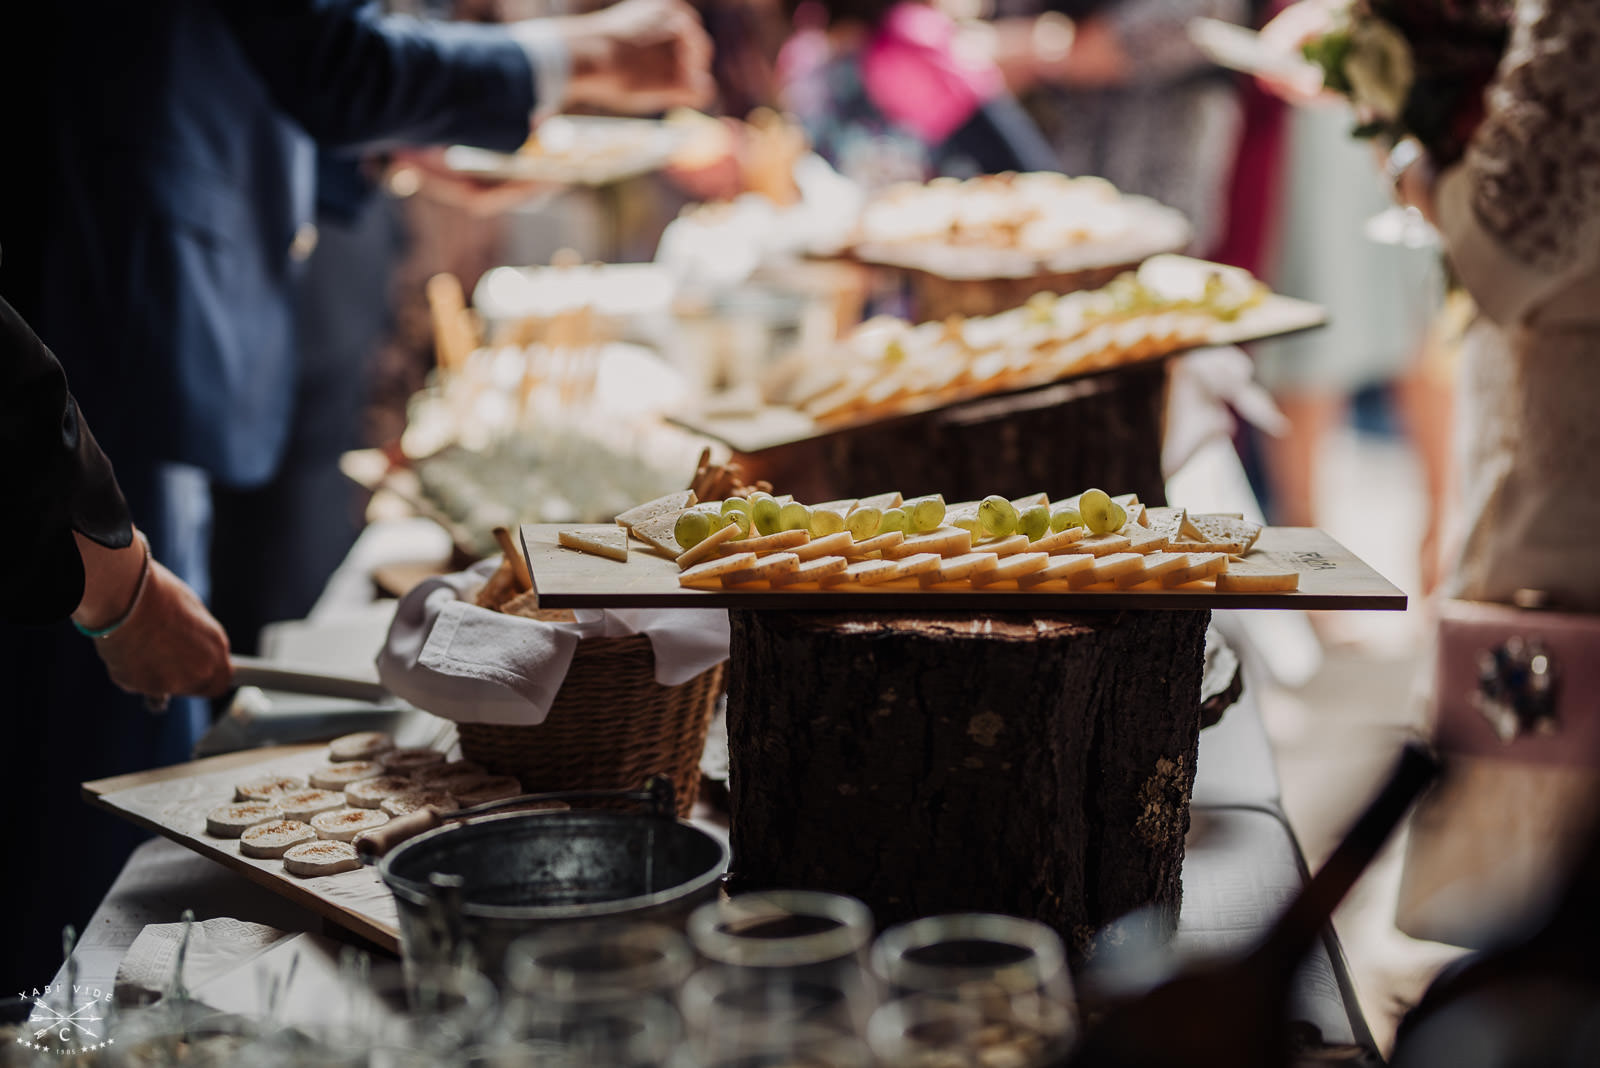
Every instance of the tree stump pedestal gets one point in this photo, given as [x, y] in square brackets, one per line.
[1036, 765]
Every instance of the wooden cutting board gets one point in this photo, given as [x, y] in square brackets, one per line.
[1331, 577]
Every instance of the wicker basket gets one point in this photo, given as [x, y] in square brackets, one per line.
[611, 725]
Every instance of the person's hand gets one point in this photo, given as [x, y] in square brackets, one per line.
[169, 644]
[639, 56]
[1297, 83]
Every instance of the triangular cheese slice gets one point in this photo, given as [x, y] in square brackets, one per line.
[610, 542]
[670, 504]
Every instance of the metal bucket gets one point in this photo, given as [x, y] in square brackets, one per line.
[471, 889]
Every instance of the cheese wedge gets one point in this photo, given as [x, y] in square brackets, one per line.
[338, 776]
[410, 760]
[303, 804]
[713, 570]
[668, 505]
[782, 541]
[1022, 504]
[230, 821]
[1062, 541]
[1104, 544]
[343, 824]
[878, 543]
[370, 793]
[269, 841]
[1217, 533]
[1059, 569]
[362, 745]
[1201, 566]
[763, 569]
[1012, 567]
[1258, 576]
[310, 859]
[1011, 543]
[657, 533]
[707, 548]
[838, 544]
[864, 573]
[609, 542]
[946, 541]
[267, 788]
[813, 570]
[882, 501]
[1107, 569]
[1152, 567]
[960, 568]
[917, 565]
[1166, 521]
[1144, 539]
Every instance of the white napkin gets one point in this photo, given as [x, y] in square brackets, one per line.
[216, 946]
[472, 665]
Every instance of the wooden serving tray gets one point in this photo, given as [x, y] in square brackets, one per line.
[173, 802]
[769, 427]
[1331, 577]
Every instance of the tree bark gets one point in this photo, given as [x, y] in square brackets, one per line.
[1103, 431]
[1035, 766]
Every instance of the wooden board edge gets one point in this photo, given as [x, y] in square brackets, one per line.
[221, 762]
[385, 937]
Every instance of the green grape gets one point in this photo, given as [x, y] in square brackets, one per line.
[1119, 517]
[997, 516]
[893, 519]
[764, 513]
[863, 522]
[967, 521]
[1064, 518]
[825, 521]
[1034, 522]
[794, 516]
[718, 520]
[740, 520]
[926, 513]
[1095, 507]
[736, 504]
[692, 528]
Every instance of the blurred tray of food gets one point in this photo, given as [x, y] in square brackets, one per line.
[889, 368]
[578, 150]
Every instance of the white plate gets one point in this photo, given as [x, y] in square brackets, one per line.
[577, 150]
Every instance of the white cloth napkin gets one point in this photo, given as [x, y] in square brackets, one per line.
[472, 665]
[216, 946]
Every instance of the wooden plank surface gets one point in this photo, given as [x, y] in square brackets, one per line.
[1331, 577]
[172, 802]
[772, 426]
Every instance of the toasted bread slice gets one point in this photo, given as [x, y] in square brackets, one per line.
[230, 821]
[490, 788]
[878, 543]
[713, 570]
[668, 504]
[946, 541]
[370, 793]
[362, 745]
[267, 787]
[1013, 566]
[310, 859]
[269, 841]
[707, 548]
[343, 824]
[1059, 569]
[960, 568]
[1258, 576]
[1011, 543]
[338, 776]
[428, 797]
[410, 760]
[838, 544]
[1152, 567]
[763, 569]
[1105, 544]
[813, 570]
[1062, 541]
[1107, 569]
[1201, 566]
[762, 544]
[303, 804]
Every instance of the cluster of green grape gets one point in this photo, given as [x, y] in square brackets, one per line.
[997, 517]
[762, 513]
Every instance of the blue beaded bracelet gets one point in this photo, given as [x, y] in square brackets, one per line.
[138, 590]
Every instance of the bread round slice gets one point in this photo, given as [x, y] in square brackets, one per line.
[454, 769]
[405, 804]
[320, 858]
[303, 804]
[362, 745]
[492, 788]
[267, 787]
[369, 793]
[230, 821]
[410, 761]
[338, 776]
[268, 841]
[343, 824]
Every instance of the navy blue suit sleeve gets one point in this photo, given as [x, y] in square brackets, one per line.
[54, 480]
[352, 75]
